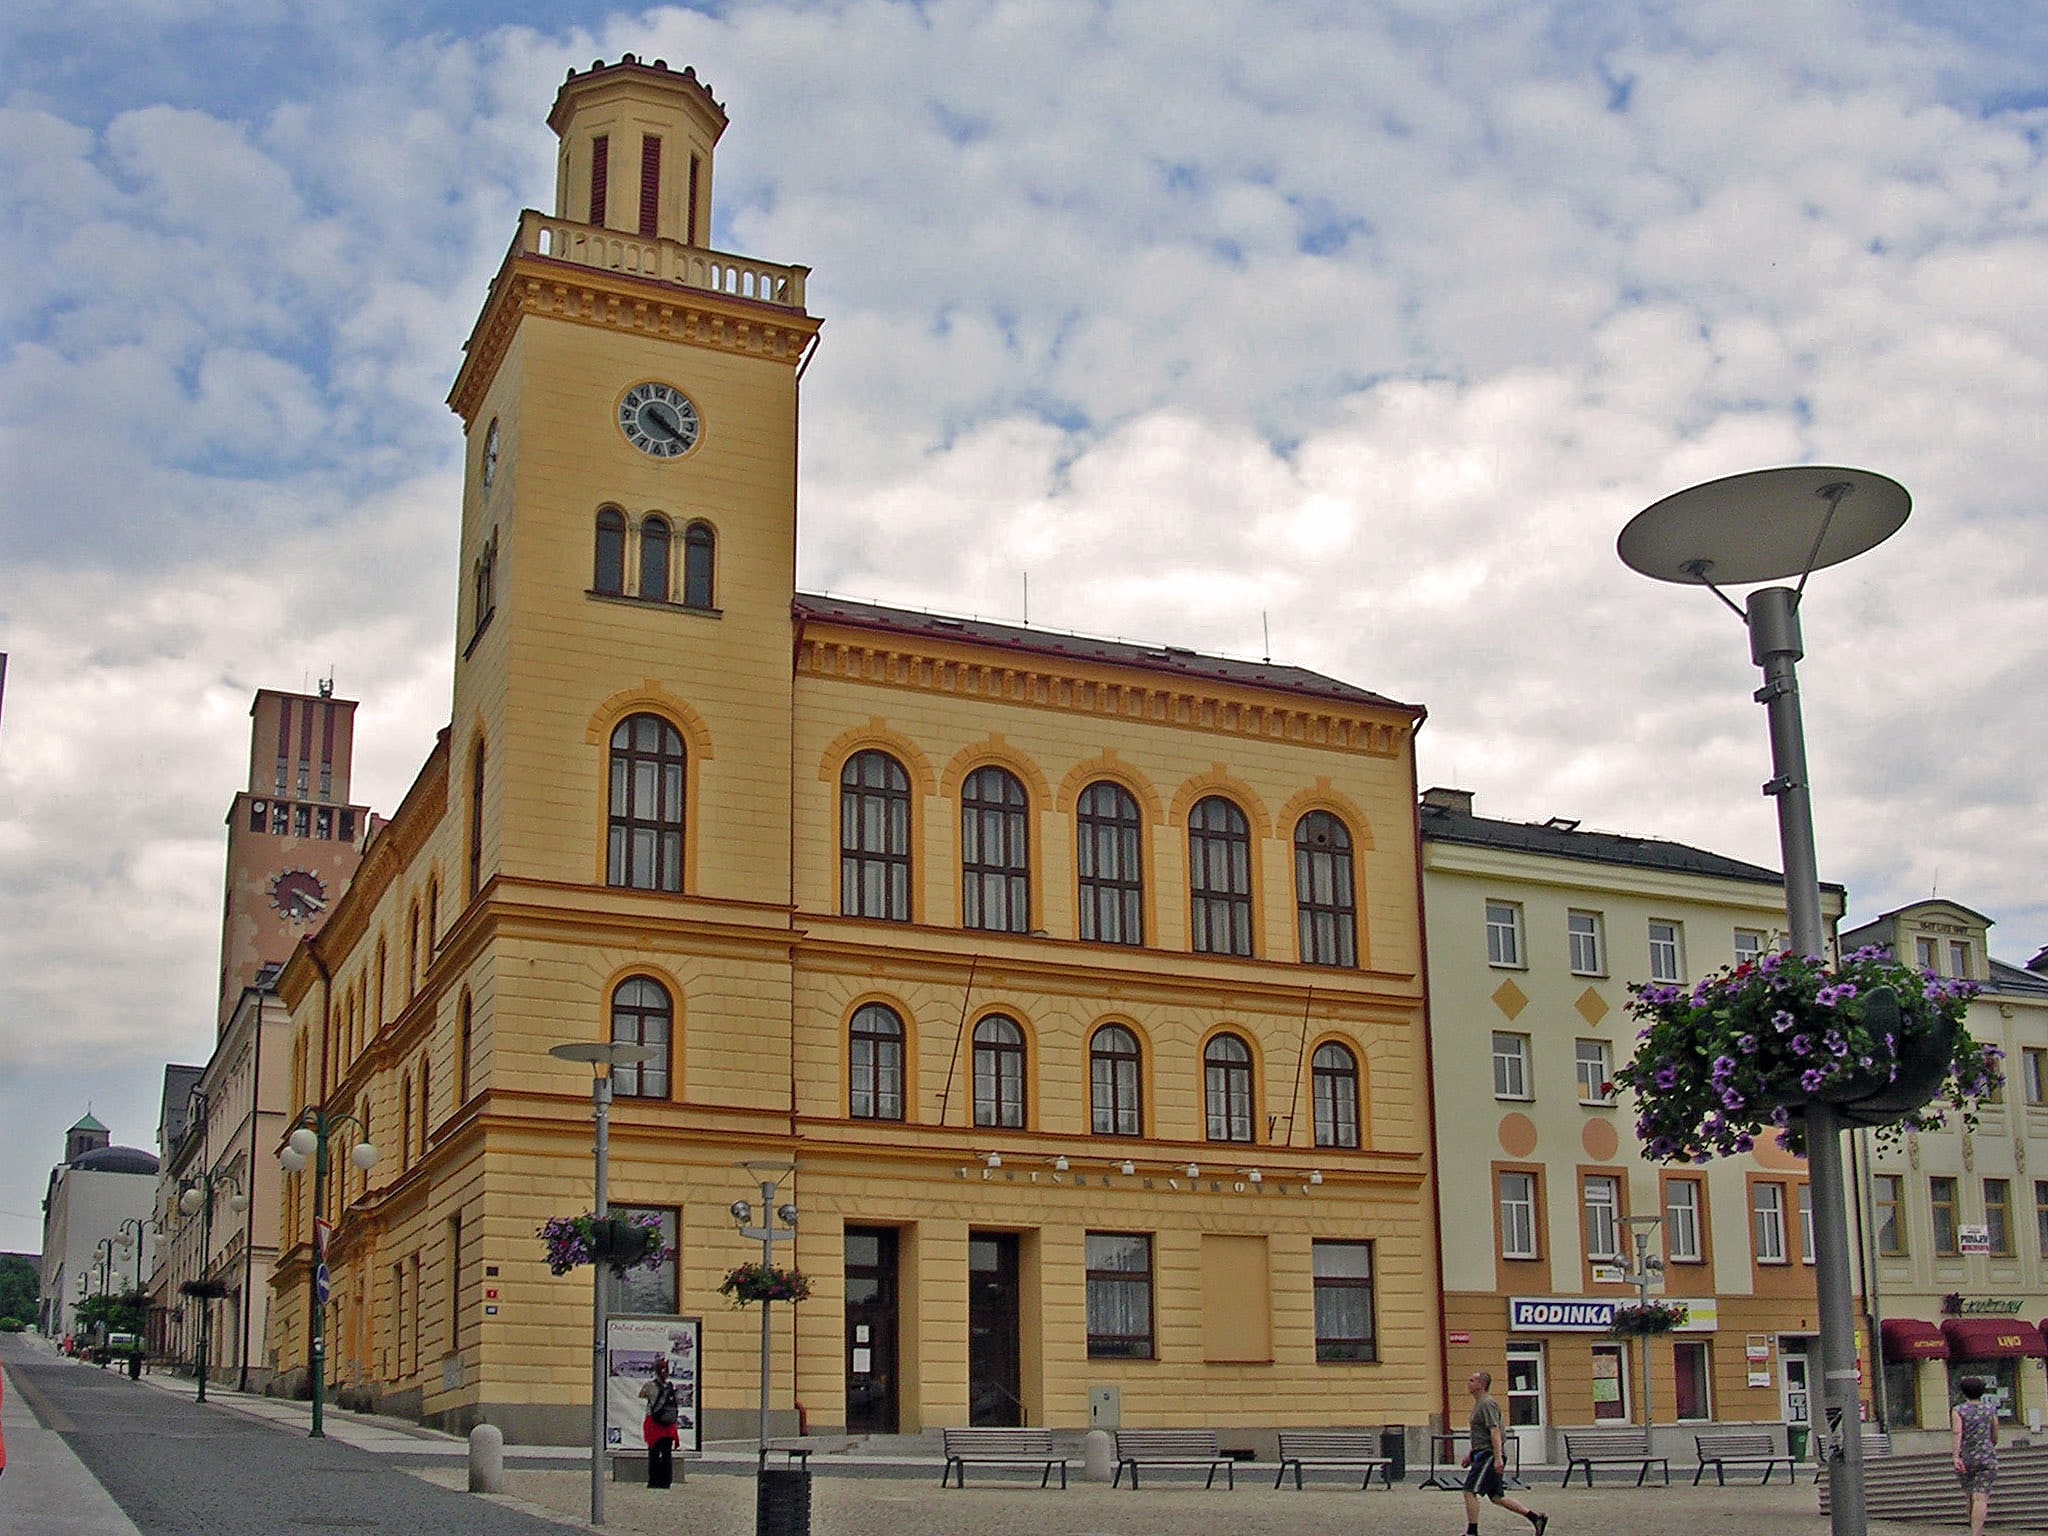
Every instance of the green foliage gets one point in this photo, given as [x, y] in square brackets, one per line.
[21, 1288]
[122, 1314]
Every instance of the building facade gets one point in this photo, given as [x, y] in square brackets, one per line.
[1072, 991]
[1954, 1222]
[1536, 932]
[97, 1237]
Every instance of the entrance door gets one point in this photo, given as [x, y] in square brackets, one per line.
[994, 1357]
[1526, 1417]
[1795, 1389]
[870, 1331]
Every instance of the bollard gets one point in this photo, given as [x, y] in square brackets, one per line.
[1098, 1464]
[487, 1459]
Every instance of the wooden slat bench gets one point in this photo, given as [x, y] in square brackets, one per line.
[1611, 1447]
[1001, 1448]
[1333, 1448]
[1170, 1448]
[1722, 1448]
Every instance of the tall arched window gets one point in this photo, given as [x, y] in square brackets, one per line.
[999, 1072]
[699, 546]
[465, 1028]
[609, 576]
[995, 852]
[1109, 854]
[654, 560]
[1115, 1082]
[1220, 877]
[1335, 1078]
[874, 837]
[647, 779]
[1324, 900]
[875, 1064]
[642, 1015]
[1227, 1089]
[426, 1081]
[405, 1123]
[476, 821]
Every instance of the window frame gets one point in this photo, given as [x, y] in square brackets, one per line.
[627, 830]
[1610, 1185]
[1998, 1217]
[1586, 946]
[1334, 1095]
[1767, 1220]
[1325, 892]
[1116, 1083]
[1671, 944]
[2034, 1075]
[989, 813]
[1115, 830]
[635, 1291]
[1229, 1090]
[1888, 1215]
[1802, 1199]
[699, 588]
[647, 1023]
[2041, 1215]
[1600, 1092]
[1523, 1065]
[1220, 910]
[878, 1081]
[1504, 947]
[657, 546]
[608, 553]
[1098, 1277]
[1750, 953]
[1001, 1073]
[1333, 1347]
[865, 810]
[1529, 1201]
[1940, 1185]
[1693, 1210]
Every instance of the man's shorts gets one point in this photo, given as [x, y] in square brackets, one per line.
[1483, 1476]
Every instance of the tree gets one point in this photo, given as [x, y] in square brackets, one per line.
[21, 1289]
[122, 1314]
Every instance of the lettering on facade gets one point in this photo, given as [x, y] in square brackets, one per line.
[1956, 1305]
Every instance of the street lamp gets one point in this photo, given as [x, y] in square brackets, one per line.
[197, 1199]
[1769, 525]
[308, 1143]
[1647, 1267]
[602, 1055]
[769, 1235]
[134, 1242]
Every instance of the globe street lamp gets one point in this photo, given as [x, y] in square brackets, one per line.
[135, 1241]
[602, 1055]
[1769, 525]
[197, 1199]
[308, 1143]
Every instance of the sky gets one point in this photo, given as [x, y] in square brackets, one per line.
[1362, 326]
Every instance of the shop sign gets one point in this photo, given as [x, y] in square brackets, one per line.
[1980, 1306]
[1592, 1314]
[1459, 1336]
[1974, 1240]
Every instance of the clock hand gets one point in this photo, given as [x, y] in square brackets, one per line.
[673, 429]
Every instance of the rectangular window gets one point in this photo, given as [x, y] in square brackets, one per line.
[2034, 1074]
[1503, 933]
[1902, 1392]
[1690, 1376]
[1119, 1296]
[256, 815]
[1958, 958]
[1610, 1384]
[1941, 1197]
[641, 1289]
[1924, 954]
[1806, 1223]
[1749, 946]
[1601, 1195]
[1510, 1066]
[1886, 1197]
[323, 824]
[1595, 1067]
[1998, 1215]
[1589, 952]
[600, 167]
[1767, 1211]
[650, 184]
[1518, 1216]
[1343, 1293]
[280, 818]
[1682, 1221]
[1667, 952]
[302, 821]
[2041, 1215]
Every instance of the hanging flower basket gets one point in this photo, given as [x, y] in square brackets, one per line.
[627, 1242]
[1748, 1049]
[1652, 1317]
[764, 1282]
[204, 1290]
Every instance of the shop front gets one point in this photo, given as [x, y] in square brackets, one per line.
[2003, 1352]
[1914, 1351]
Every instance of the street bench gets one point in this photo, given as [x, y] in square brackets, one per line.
[1137, 1448]
[1002, 1448]
[1333, 1448]
[1722, 1448]
[1611, 1447]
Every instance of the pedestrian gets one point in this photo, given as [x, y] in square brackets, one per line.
[1975, 1423]
[662, 1427]
[1483, 1463]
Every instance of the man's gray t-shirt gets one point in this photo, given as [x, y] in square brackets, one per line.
[1485, 1419]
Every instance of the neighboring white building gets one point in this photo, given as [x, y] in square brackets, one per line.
[100, 1194]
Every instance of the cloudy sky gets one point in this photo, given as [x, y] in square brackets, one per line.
[1371, 322]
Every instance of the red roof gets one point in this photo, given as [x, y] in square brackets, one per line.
[1908, 1338]
[1993, 1338]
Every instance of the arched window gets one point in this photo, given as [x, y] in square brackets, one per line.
[1114, 1082]
[609, 576]
[1109, 853]
[405, 1123]
[1335, 1077]
[999, 1072]
[476, 821]
[1324, 900]
[875, 1060]
[1220, 877]
[995, 855]
[647, 777]
[642, 1015]
[426, 1100]
[654, 560]
[465, 1026]
[874, 837]
[699, 545]
[1227, 1088]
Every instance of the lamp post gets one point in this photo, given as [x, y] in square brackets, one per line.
[308, 1143]
[1646, 1268]
[769, 1235]
[1767, 526]
[103, 1261]
[134, 1242]
[602, 1055]
[197, 1199]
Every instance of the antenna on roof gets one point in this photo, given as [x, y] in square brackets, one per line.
[1266, 629]
[327, 684]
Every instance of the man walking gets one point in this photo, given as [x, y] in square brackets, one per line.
[1483, 1477]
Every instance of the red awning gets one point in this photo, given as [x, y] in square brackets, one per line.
[1993, 1338]
[1908, 1338]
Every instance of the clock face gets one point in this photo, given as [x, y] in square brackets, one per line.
[299, 895]
[490, 456]
[659, 420]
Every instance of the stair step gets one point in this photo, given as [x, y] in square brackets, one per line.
[1924, 1488]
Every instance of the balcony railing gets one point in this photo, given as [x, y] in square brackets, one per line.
[664, 261]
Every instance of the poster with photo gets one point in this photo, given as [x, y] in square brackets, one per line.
[632, 1345]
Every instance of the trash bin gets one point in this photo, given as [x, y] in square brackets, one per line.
[135, 1366]
[1796, 1438]
[1394, 1446]
[782, 1502]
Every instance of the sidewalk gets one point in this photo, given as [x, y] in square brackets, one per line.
[46, 1489]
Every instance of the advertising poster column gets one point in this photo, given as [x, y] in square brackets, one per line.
[632, 1344]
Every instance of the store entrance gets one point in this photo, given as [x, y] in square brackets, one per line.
[994, 1347]
[1527, 1420]
[871, 1331]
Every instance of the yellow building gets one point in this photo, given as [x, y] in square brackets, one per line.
[1079, 983]
[1535, 933]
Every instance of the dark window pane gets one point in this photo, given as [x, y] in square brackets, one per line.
[644, 849]
[1219, 875]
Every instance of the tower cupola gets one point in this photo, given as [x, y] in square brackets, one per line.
[636, 150]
